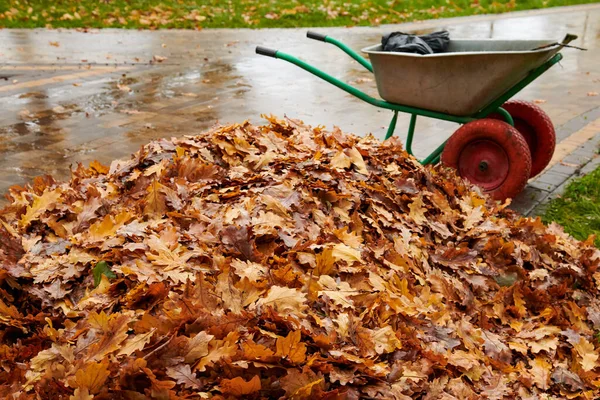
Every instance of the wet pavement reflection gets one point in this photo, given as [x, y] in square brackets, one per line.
[102, 94]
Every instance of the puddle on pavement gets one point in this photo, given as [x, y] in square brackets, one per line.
[36, 131]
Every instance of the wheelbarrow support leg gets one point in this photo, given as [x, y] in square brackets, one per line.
[392, 127]
[434, 157]
[507, 117]
[411, 133]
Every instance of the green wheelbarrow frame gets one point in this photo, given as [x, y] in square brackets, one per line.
[434, 157]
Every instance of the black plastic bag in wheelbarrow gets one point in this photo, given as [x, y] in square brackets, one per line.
[436, 42]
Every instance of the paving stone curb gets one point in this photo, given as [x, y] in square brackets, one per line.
[552, 183]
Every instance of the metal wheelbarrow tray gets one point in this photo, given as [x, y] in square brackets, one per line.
[502, 142]
[461, 81]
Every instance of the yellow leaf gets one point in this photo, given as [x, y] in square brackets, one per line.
[39, 206]
[256, 351]
[81, 394]
[197, 347]
[547, 345]
[358, 161]
[417, 211]
[473, 217]
[108, 227]
[588, 354]
[341, 161]
[291, 348]
[349, 238]
[324, 262]
[219, 350]
[113, 332]
[540, 372]
[98, 321]
[136, 342]
[385, 340]
[519, 303]
[155, 200]
[251, 270]
[518, 346]
[346, 253]
[92, 376]
[239, 387]
[476, 200]
[284, 300]
[338, 293]
[96, 166]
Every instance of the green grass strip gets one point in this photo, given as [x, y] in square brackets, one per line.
[578, 209]
[198, 14]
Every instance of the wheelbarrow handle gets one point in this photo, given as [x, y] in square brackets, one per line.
[263, 51]
[328, 39]
[316, 36]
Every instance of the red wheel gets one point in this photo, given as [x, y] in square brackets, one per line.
[491, 154]
[535, 125]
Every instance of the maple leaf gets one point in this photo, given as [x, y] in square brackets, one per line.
[291, 348]
[92, 376]
[184, 375]
[284, 300]
[239, 387]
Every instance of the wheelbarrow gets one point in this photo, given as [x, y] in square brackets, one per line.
[501, 142]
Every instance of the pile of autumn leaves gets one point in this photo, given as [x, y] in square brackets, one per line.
[287, 262]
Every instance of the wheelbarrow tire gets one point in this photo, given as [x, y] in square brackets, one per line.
[491, 154]
[537, 128]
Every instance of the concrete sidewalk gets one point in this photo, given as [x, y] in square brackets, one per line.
[72, 96]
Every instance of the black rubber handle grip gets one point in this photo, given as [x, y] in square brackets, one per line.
[263, 51]
[316, 36]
